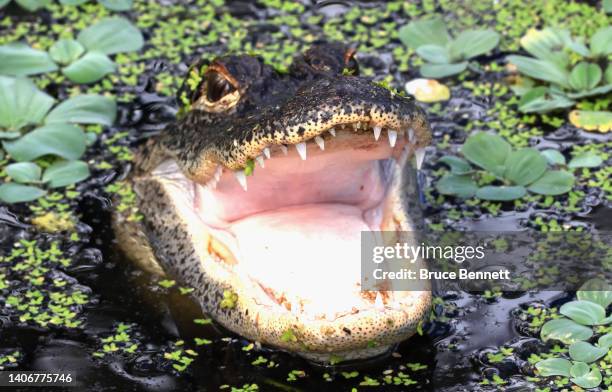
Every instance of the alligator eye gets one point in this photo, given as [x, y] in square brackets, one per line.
[220, 90]
[217, 87]
[350, 63]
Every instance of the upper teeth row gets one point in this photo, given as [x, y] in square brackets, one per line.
[301, 150]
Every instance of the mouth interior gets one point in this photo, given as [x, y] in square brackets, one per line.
[295, 230]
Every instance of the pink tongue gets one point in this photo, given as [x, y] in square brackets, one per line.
[311, 253]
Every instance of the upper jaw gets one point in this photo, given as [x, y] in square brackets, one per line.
[402, 142]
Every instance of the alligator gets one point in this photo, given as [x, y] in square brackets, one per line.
[256, 197]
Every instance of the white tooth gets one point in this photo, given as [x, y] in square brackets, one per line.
[260, 160]
[295, 309]
[410, 134]
[218, 173]
[356, 125]
[301, 149]
[378, 302]
[320, 142]
[332, 131]
[377, 131]
[392, 137]
[419, 155]
[241, 177]
[283, 149]
[267, 153]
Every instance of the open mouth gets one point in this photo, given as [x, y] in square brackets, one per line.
[291, 223]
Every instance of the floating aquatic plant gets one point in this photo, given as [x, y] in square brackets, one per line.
[575, 329]
[445, 55]
[35, 5]
[30, 128]
[567, 70]
[30, 5]
[518, 171]
[84, 60]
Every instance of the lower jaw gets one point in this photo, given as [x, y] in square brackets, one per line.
[338, 344]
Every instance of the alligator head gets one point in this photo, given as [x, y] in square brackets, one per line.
[256, 197]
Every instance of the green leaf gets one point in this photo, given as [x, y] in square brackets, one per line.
[553, 157]
[4, 3]
[32, 5]
[553, 182]
[21, 60]
[524, 166]
[578, 47]
[586, 352]
[111, 35]
[606, 320]
[17, 193]
[66, 51]
[585, 76]
[21, 103]
[540, 69]
[589, 93]
[608, 73]
[456, 185]
[607, 6]
[65, 173]
[586, 159]
[456, 164]
[554, 367]
[117, 5]
[73, 2]
[84, 109]
[566, 331]
[583, 312]
[542, 100]
[579, 369]
[597, 291]
[605, 341]
[437, 71]
[591, 120]
[547, 44]
[473, 43]
[489, 151]
[434, 54]
[89, 68]
[522, 85]
[591, 380]
[9, 135]
[501, 193]
[23, 172]
[601, 41]
[424, 32]
[63, 140]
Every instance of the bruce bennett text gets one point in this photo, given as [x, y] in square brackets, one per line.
[425, 274]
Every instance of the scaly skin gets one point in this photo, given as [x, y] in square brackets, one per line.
[237, 111]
